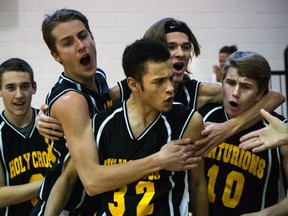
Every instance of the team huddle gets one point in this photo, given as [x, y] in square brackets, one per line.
[156, 143]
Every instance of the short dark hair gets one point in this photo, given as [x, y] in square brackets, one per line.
[228, 49]
[18, 65]
[60, 16]
[139, 53]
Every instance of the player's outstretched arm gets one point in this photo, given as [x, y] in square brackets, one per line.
[215, 133]
[274, 135]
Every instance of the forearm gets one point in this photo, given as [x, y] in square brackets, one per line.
[245, 120]
[199, 204]
[11, 195]
[61, 191]
[109, 177]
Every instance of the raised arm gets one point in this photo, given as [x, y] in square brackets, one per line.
[272, 136]
[216, 133]
[11, 195]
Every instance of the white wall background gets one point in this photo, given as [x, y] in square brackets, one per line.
[258, 25]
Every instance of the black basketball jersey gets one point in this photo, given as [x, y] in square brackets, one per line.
[160, 193]
[24, 159]
[97, 101]
[185, 94]
[240, 181]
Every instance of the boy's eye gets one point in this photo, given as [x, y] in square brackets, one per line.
[83, 36]
[186, 48]
[159, 81]
[67, 43]
[25, 87]
[246, 87]
[10, 88]
[171, 47]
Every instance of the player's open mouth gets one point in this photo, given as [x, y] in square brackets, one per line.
[85, 60]
[234, 104]
[178, 66]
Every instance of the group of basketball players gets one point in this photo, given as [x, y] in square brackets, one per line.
[143, 155]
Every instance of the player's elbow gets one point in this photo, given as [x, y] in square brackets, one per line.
[92, 188]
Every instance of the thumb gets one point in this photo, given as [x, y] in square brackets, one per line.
[266, 115]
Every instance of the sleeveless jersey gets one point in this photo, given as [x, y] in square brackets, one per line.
[186, 93]
[24, 159]
[240, 181]
[160, 193]
[97, 101]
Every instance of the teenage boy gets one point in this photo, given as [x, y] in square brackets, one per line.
[25, 155]
[240, 181]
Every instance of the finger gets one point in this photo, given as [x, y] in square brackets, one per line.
[251, 143]
[192, 163]
[49, 133]
[259, 149]
[249, 136]
[56, 127]
[50, 137]
[183, 141]
[201, 141]
[44, 107]
[266, 115]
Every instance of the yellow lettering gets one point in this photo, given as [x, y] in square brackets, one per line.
[109, 103]
[254, 163]
[261, 167]
[212, 153]
[27, 159]
[232, 154]
[12, 169]
[242, 152]
[227, 153]
[246, 160]
[235, 155]
[17, 166]
[34, 159]
[220, 147]
[40, 161]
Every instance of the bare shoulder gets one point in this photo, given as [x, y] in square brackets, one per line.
[194, 128]
[70, 103]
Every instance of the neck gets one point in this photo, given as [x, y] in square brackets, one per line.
[19, 121]
[140, 116]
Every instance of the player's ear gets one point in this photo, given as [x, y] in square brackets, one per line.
[56, 57]
[259, 95]
[133, 84]
[34, 87]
